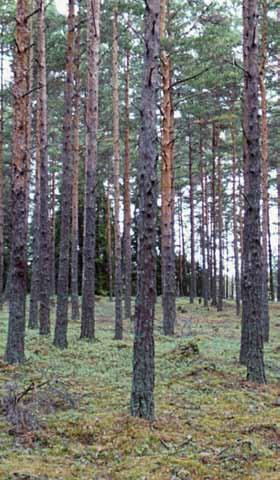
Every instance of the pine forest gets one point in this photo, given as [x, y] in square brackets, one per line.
[139, 239]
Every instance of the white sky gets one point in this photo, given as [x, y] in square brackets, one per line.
[62, 6]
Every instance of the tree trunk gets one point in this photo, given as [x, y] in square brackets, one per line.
[167, 186]
[203, 221]
[116, 140]
[1, 169]
[60, 338]
[35, 279]
[192, 221]
[127, 206]
[52, 231]
[215, 145]
[109, 242]
[220, 235]
[278, 234]
[75, 183]
[142, 398]
[16, 331]
[93, 42]
[235, 224]
[265, 169]
[44, 305]
[252, 282]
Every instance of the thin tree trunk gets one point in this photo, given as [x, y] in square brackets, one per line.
[33, 322]
[278, 233]
[60, 338]
[44, 308]
[192, 221]
[142, 398]
[235, 224]
[215, 144]
[75, 183]
[116, 140]
[1, 168]
[167, 186]
[265, 168]
[203, 219]
[93, 43]
[271, 279]
[220, 235]
[252, 282]
[127, 206]
[109, 243]
[52, 231]
[16, 330]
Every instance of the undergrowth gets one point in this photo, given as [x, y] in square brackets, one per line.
[65, 415]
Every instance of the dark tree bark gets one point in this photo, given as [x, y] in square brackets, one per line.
[116, 140]
[33, 322]
[252, 281]
[235, 224]
[142, 398]
[127, 205]
[93, 42]
[167, 186]
[109, 242]
[215, 146]
[16, 331]
[1, 167]
[75, 310]
[52, 231]
[60, 338]
[205, 277]
[44, 304]
[220, 235]
[192, 220]
[265, 168]
[278, 234]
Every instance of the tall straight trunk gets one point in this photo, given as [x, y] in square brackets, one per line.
[182, 248]
[44, 306]
[16, 330]
[215, 145]
[93, 42]
[265, 168]
[142, 398]
[33, 322]
[203, 220]
[235, 223]
[116, 141]
[252, 282]
[278, 234]
[75, 183]
[167, 185]
[270, 258]
[52, 231]
[220, 235]
[192, 220]
[207, 236]
[1, 167]
[127, 206]
[60, 338]
[109, 243]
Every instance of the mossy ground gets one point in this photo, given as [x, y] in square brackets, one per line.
[210, 425]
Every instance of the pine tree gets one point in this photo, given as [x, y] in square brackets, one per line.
[93, 43]
[60, 338]
[142, 398]
[15, 341]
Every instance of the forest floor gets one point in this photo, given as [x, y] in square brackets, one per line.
[65, 415]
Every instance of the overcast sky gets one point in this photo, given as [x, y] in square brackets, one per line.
[61, 6]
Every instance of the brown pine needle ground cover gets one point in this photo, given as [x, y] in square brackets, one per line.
[65, 415]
